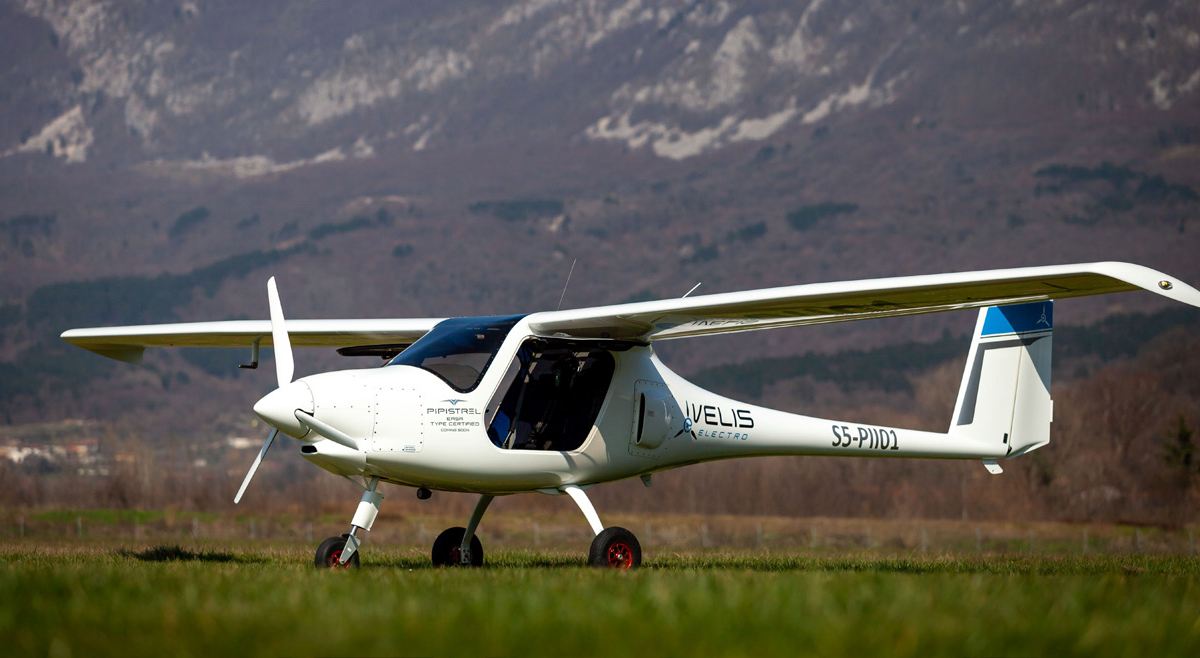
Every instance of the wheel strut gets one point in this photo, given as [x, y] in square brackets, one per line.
[473, 525]
[364, 518]
[613, 548]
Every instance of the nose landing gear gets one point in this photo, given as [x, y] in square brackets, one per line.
[329, 554]
[342, 552]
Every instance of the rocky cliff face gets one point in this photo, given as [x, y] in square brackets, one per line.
[254, 89]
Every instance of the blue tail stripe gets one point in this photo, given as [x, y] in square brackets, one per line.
[1018, 318]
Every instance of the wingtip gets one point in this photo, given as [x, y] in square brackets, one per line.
[1170, 287]
[1152, 280]
[1179, 291]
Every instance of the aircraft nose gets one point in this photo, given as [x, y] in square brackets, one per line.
[278, 407]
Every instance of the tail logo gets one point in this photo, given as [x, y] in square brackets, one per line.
[687, 427]
[1043, 320]
[1017, 319]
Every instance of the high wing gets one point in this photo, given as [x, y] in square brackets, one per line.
[128, 343]
[693, 316]
[854, 300]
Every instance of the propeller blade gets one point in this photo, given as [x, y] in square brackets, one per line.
[254, 467]
[284, 366]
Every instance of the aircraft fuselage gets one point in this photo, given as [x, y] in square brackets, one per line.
[413, 428]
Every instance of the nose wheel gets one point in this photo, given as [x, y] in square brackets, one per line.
[329, 555]
[342, 552]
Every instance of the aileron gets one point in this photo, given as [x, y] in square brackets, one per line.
[127, 343]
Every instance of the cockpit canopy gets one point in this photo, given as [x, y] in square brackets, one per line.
[459, 350]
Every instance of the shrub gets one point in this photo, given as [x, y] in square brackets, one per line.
[188, 221]
[518, 210]
[748, 232]
[331, 228]
[806, 217]
[9, 314]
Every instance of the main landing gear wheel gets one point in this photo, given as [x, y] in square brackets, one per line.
[447, 549]
[330, 551]
[615, 548]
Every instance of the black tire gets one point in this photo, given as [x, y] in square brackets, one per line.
[615, 548]
[447, 546]
[330, 551]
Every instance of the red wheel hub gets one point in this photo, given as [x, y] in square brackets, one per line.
[333, 561]
[620, 555]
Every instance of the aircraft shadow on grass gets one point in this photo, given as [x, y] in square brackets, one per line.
[180, 554]
[530, 562]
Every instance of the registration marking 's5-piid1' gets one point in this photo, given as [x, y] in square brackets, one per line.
[876, 438]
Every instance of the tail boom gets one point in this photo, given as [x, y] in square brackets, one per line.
[1003, 408]
[714, 427]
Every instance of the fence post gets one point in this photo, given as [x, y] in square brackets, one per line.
[704, 535]
[79, 524]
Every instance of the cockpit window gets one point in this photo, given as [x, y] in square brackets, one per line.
[459, 350]
[551, 395]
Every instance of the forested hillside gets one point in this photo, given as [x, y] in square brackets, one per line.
[159, 160]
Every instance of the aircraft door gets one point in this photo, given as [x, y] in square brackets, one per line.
[550, 396]
[399, 420]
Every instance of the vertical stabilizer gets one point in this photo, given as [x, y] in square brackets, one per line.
[1005, 391]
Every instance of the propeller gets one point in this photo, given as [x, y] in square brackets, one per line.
[254, 467]
[284, 366]
[284, 369]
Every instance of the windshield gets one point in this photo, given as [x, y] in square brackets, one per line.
[459, 350]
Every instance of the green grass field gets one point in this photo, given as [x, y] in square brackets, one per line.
[88, 598]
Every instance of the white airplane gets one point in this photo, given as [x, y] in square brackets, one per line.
[558, 402]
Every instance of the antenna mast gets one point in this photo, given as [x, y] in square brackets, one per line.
[564, 292]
